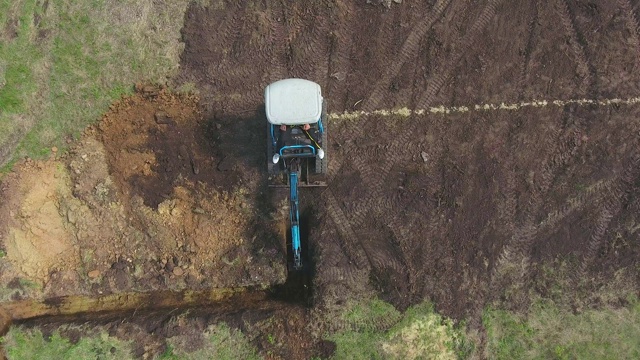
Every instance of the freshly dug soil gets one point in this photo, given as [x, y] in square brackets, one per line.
[138, 204]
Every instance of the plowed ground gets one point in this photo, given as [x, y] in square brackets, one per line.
[458, 207]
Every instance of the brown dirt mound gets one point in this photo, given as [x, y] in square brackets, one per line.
[156, 140]
[140, 203]
[37, 239]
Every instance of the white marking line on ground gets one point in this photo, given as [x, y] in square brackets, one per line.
[405, 112]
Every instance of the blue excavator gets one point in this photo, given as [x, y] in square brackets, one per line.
[296, 145]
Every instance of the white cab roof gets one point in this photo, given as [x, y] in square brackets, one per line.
[293, 102]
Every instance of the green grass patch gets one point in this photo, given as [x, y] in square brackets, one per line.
[550, 332]
[424, 334]
[369, 315]
[221, 342]
[419, 333]
[568, 319]
[63, 63]
[19, 59]
[21, 343]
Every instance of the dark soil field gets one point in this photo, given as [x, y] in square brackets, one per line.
[471, 144]
[442, 206]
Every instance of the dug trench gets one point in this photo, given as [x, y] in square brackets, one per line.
[150, 315]
[155, 207]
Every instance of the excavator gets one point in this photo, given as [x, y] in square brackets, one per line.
[296, 145]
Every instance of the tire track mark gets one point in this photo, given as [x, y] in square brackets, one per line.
[422, 63]
[334, 166]
[382, 45]
[358, 215]
[253, 49]
[339, 50]
[338, 274]
[563, 153]
[436, 83]
[370, 178]
[382, 322]
[294, 19]
[228, 71]
[362, 208]
[377, 201]
[233, 40]
[278, 39]
[508, 211]
[436, 227]
[382, 259]
[433, 229]
[409, 48]
[321, 71]
[350, 242]
[306, 48]
[228, 30]
[470, 176]
[632, 24]
[612, 207]
[516, 248]
[374, 187]
[374, 180]
[526, 58]
[402, 227]
[399, 145]
[592, 194]
[333, 255]
[399, 240]
[232, 35]
[584, 67]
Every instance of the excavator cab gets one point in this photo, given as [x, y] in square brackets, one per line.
[290, 104]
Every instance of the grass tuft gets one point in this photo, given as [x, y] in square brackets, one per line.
[21, 343]
[419, 333]
[222, 343]
[550, 332]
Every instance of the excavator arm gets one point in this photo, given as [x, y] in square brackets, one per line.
[294, 213]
